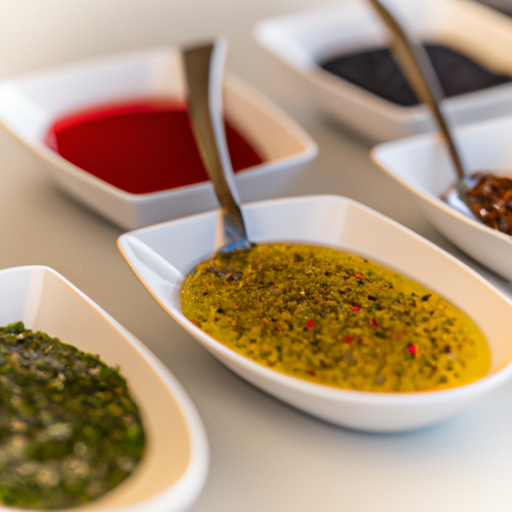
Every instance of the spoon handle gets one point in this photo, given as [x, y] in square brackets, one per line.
[416, 65]
[203, 66]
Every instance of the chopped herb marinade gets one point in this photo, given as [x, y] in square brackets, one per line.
[334, 318]
[69, 430]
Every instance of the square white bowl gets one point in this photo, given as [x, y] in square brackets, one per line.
[30, 104]
[163, 255]
[175, 462]
[303, 39]
[422, 165]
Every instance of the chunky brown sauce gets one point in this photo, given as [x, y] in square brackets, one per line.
[490, 200]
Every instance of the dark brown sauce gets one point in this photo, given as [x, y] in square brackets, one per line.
[490, 200]
[376, 71]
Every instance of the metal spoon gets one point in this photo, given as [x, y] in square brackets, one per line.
[204, 66]
[416, 66]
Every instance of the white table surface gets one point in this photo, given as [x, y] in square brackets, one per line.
[265, 456]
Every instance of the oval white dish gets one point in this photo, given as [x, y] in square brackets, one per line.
[162, 255]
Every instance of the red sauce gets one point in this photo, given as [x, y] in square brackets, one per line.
[140, 147]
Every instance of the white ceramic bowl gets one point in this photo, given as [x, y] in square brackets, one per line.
[162, 255]
[174, 466]
[30, 104]
[303, 39]
[421, 164]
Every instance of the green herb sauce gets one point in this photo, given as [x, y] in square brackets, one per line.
[69, 430]
[334, 318]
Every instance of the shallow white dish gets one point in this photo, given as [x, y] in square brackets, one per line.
[303, 39]
[421, 164]
[162, 255]
[174, 466]
[30, 104]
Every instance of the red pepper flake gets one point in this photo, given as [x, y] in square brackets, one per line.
[374, 322]
[312, 372]
[277, 327]
[310, 324]
[411, 349]
[359, 276]
[356, 308]
[348, 339]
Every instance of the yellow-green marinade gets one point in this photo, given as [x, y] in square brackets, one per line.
[334, 318]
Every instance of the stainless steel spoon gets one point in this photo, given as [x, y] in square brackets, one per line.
[204, 67]
[416, 66]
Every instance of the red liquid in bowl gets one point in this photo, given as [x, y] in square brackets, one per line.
[140, 147]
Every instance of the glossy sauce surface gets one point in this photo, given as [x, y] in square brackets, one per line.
[140, 147]
[334, 318]
[490, 200]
